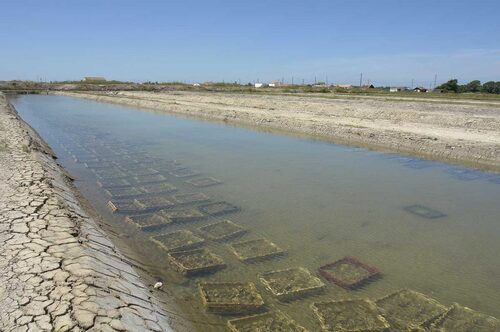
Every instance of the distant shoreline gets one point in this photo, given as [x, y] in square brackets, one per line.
[465, 133]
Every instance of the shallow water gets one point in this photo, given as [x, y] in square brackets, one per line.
[318, 201]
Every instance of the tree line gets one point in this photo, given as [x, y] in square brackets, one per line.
[472, 86]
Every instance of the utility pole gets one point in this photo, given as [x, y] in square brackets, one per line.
[361, 80]
[412, 83]
[302, 81]
[326, 80]
[292, 80]
[435, 80]
[314, 79]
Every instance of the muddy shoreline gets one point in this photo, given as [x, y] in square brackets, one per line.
[60, 270]
[468, 135]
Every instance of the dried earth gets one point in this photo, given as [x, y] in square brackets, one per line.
[59, 271]
[461, 131]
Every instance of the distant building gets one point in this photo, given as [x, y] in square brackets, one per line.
[420, 89]
[93, 79]
[398, 89]
[275, 83]
[259, 85]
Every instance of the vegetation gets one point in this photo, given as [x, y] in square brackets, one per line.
[473, 90]
[471, 87]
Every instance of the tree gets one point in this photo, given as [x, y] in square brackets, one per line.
[451, 85]
[489, 87]
[497, 87]
[473, 86]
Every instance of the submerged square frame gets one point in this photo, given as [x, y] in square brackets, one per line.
[153, 203]
[149, 178]
[113, 183]
[123, 193]
[215, 301]
[208, 262]
[110, 173]
[281, 283]
[184, 172]
[190, 198]
[270, 321]
[140, 171]
[179, 240]
[404, 308]
[123, 206]
[182, 215]
[148, 222]
[463, 174]
[246, 250]
[371, 273]
[157, 188]
[218, 208]
[333, 315]
[203, 181]
[462, 319]
[424, 211]
[229, 230]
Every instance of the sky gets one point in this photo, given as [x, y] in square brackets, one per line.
[390, 42]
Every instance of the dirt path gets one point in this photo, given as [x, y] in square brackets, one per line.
[466, 133]
[58, 270]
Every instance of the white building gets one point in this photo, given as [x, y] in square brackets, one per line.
[398, 89]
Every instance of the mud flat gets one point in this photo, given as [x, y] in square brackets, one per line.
[59, 271]
[466, 133]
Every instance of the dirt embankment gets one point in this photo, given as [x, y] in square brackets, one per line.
[467, 133]
[59, 271]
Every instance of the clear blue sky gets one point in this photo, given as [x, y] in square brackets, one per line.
[391, 42]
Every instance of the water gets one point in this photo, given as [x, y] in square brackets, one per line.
[318, 201]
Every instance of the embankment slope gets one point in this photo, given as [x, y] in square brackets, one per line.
[58, 270]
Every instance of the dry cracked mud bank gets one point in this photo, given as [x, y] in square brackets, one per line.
[58, 270]
[467, 133]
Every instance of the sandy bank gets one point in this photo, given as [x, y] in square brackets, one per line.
[58, 270]
[466, 133]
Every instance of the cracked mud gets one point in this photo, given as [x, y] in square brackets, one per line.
[58, 270]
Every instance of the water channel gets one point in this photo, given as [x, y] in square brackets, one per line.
[422, 225]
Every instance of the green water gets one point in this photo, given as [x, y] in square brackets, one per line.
[318, 201]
